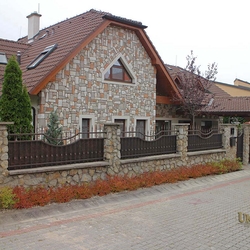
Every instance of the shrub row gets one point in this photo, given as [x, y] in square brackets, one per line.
[20, 197]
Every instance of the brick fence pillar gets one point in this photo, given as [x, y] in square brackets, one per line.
[181, 130]
[112, 146]
[4, 151]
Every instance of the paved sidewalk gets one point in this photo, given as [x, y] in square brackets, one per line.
[195, 214]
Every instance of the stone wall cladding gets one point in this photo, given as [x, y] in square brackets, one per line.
[88, 175]
[3, 153]
[203, 159]
[167, 111]
[79, 89]
[57, 178]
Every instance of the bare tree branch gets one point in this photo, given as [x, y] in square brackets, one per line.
[194, 87]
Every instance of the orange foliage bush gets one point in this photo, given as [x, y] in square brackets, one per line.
[39, 196]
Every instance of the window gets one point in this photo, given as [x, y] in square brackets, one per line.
[118, 73]
[163, 127]
[140, 128]
[48, 50]
[85, 128]
[122, 123]
[206, 126]
[178, 83]
[3, 58]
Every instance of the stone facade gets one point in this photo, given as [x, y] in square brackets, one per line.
[80, 89]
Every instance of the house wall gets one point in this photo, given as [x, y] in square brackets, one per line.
[234, 91]
[80, 91]
[168, 112]
[238, 82]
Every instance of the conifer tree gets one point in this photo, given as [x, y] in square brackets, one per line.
[54, 133]
[15, 105]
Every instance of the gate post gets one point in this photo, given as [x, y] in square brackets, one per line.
[181, 130]
[226, 131]
[245, 159]
[112, 147]
[4, 151]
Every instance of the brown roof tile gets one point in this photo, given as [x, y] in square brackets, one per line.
[70, 35]
[174, 71]
[10, 48]
[223, 103]
[67, 34]
[231, 105]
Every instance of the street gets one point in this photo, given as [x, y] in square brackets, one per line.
[195, 214]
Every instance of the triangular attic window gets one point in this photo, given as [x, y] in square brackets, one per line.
[118, 73]
[178, 83]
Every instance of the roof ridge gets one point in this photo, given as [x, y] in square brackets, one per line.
[62, 21]
[12, 41]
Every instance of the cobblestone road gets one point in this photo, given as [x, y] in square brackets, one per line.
[195, 214]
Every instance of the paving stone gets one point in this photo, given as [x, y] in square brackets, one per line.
[198, 214]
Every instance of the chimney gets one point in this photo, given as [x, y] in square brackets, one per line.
[33, 25]
[18, 55]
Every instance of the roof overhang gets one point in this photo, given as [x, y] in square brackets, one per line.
[165, 79]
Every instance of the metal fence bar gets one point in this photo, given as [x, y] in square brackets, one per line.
[37, 153]
[198, 143]
[133, 147]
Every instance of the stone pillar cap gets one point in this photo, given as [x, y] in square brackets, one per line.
[180, 124]
[6, 123]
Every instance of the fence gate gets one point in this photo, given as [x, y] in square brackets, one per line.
[239, 153]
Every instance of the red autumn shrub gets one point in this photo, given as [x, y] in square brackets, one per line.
[100, 188]
[22, 198]
[82, 192]
[39, 196]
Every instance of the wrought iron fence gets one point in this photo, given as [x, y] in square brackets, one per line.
[36, 152]
[198, 141]
[140, 145]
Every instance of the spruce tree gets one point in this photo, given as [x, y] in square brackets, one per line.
[15, 105]
[54, 133]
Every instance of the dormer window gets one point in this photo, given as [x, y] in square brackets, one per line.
[48, 50]
[3, 58]
[178, 83]
[118, 73]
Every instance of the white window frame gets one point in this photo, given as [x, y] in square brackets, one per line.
[126, 66]
[147, 127]
[127, 122]
[91, 123]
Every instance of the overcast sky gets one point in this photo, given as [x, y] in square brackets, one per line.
[216, 30]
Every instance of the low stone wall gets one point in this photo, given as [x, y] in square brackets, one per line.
[75, 174]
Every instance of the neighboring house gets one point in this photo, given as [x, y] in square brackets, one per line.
[228, 100]
[94, 68]
[204, 119]
[240, 88]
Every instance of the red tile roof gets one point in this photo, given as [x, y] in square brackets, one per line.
[223, 103]
[174, 71]
[10, 48]
[238, 106]
[71, 36]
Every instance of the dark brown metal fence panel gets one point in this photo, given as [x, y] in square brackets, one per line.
[36, 153]
[198, 143]
[133, 147]
[239, 153]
